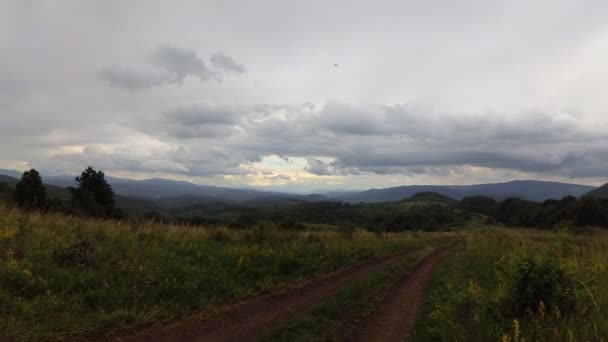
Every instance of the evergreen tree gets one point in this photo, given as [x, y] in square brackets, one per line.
[30, 192]
[93, 195]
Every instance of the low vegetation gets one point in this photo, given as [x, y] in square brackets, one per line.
[509, 285]
[423, 211]
[80, 261]
[430, 212]
[566, 212]
[92, 276]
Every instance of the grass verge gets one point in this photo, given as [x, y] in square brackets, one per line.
[519, 285]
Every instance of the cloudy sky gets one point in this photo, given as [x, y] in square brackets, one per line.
[307, 95]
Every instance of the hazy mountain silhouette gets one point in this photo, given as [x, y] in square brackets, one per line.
[528, 189]
[601, 192]
[171, 193]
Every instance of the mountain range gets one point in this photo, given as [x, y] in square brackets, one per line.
[528, 189]
[601, 192]
[172, 193]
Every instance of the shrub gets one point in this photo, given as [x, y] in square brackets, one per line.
[537, 285]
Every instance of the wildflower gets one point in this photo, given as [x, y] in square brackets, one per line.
[516, 330]
[558, 313]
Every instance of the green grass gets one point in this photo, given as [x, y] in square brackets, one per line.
[520, 285]
[337, 317]
[66, 278]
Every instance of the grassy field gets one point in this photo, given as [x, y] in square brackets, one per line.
[65, 277]
[520, 285]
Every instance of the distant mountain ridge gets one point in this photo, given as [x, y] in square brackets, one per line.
[176, 191]
[529, 189]
[11, 173]
[601, 192]
[161, 190]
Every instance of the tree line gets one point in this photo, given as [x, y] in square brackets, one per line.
[92, 196]
[553, 213]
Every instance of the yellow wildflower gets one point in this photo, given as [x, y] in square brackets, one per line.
[516, 330]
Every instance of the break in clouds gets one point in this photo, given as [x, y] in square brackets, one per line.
[316, 95]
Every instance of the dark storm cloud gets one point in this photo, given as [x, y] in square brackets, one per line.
[345, 119]
[200, 114]
[319, 167]
[200, 120]
[386, 139]
[181, 63]
[208, 160]
[222, 61]
[170, 65]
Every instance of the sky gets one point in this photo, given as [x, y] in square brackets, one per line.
[307, 95]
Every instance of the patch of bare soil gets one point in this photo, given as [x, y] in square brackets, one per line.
[249, 319]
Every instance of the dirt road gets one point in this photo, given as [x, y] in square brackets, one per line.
[395, 317]
[247, 320]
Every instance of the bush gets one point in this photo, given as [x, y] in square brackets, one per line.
[430, 217]
[478, 204]
[539, 285]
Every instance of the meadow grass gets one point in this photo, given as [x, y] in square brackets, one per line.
[520, 285]
[64, 277]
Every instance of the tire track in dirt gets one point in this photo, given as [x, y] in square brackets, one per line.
[395, 317]
[249, 319]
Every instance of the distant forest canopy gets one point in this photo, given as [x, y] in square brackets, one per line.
[93, 196]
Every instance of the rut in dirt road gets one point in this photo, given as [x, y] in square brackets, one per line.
[396, 315]
[249, 319]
